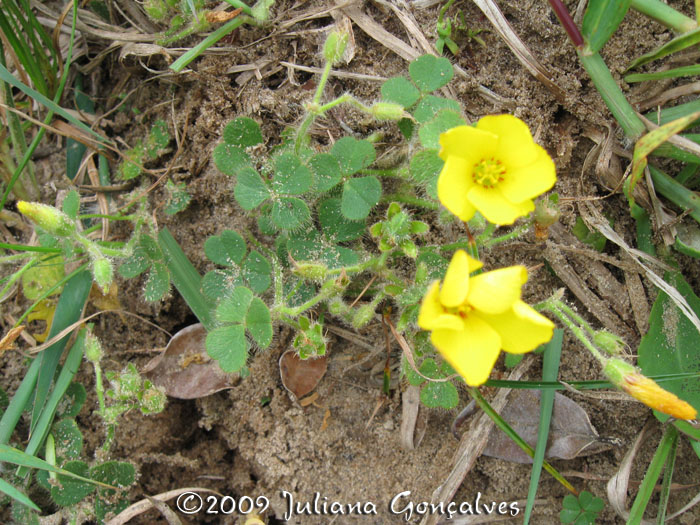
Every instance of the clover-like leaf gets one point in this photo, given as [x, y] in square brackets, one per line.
[68, 439]
[401, 91]
[290, 213]
[250, 190]
[71, 204]
[150, 248]
[312, 246]
[233, 309]
[158, 139]
[178, 198]
[115, 473]
[158, 283]
[230, 159]
[225, 249]
[359, 196]
[259, 323]
[218, 283]
[335, 226]
[439, 395]
[70, 491]
[429, 133]
[130, 167]
[243, 132]
[291, 176]
[429, 72]
[353, 155]
[430, 106]
[425, 166]
[256, 270]
[228, 346]
[326, 170]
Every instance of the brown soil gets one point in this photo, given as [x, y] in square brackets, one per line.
[338, 447]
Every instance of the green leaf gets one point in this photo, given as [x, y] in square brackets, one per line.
[359, 196]
[595, 239]
[233, 308]
[72, 401]
[20, 497]
[291, 176]
[68, 439]
[353, 155]
[218, 283]
[178, 198]
[439, 395]
[135, 265]
[158, 139]
[130, 168]
[429, 133]
[228, 346]
[672, 343]
[158, 283]
[401, 91]
[251, 190]
[150, 248]
[243, 132]
[312, 246]
[230, 159]
[225, 249]
[683, 41]
[429, 72]
[334, 225]
[436, 263]
[70, 491]
[290, 213]
[431, 105]
[688, 239]
[326, 170]
[71, 204]
[117, 473]
[601, 20]
[685, 71]
[256, 270]
[259, 323]
[406, 126]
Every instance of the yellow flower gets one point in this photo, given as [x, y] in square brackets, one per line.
[473, 318]
[495, 168]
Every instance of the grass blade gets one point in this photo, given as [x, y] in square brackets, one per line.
[677, 44]
[676, 72]
[17, 495]
[664, 14]
[550, 371]
[666, 485]
[601, 20]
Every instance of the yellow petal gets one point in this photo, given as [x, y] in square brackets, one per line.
[652, 395]
[521, 328]
[496, 291]
[472, 352]
[468, 143]
[454, 183]
[494, 206]
[531, 180]
[515, 144]
[432, 314]
[456, 285]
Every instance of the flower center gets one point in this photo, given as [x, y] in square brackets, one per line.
[488, 172]
[462, 310]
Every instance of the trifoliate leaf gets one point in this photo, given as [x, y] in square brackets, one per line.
[401, 91]
[243, 132]
[429, 72]
[256, 270]
[429, 133]
[228, 346]
[230, 159]
[71, 204]
[233, 309]
[360, 195]
[335, 226]
[158, 283]
[439, 395]
[225, 249]
[150, 248]
[158, 139]
[326, 170]
[250, 189]
[291, 176]
[118, 474]
[68, 439]
[290, 213]
[353, 155]
[70, 491]
[134, 265]
[431, 105]
[259, 323]
[178, 198]
[130, 168]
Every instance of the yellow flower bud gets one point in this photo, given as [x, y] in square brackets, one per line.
[47, 217]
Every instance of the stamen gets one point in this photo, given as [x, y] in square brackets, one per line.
[488, 172]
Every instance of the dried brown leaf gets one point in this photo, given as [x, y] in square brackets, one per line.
[185, 370]
[300, 376]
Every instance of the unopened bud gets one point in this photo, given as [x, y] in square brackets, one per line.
[156, 9]
[311, 271]
[152, 400]
[609, 342]
[103, 271]
[363, 315]
[388, 111]
[47, 217]
[334, 46]
[93, 349]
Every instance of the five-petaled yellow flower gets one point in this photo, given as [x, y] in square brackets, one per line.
[495, 168]
[473, 318]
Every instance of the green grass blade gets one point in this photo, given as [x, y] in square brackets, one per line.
[677, 44]
[550, 372]
[186, 279]
[601, 20]
[666, 484]
[17, 495]
[17, 457]
[512, 434]
[68, 371]
[675, 192]
[664, 14]
[669, 114]
[667, 443]
[676, 72]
